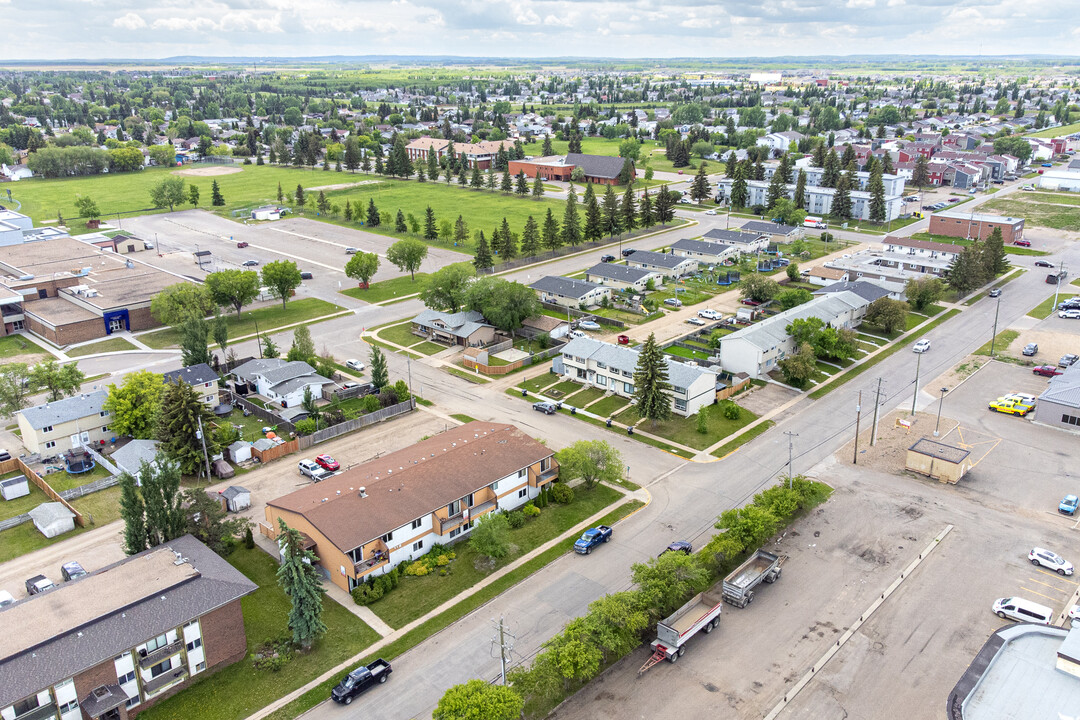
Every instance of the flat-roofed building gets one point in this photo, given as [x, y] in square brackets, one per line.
[973, 225]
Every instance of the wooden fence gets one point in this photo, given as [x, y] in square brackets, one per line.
[283, 425]
[277, 451]
[360, 422]
[16, 464]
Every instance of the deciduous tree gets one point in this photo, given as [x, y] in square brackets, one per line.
[798, 368]
[233, 288]
[591, 460]
[380, 375]
[408, 254]
[134, 404]
[888, 314]
[362, 267]
[14, 388]
[176, 303]
[281, 277]
[479, 700]
[447, 287]
[168, 191]
[491, 536]
[56, 379]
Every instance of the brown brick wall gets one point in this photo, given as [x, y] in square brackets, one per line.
[975, 228]
[224, 641]
[50, 286]
[104, 673]
[141, 319]
[68, 334]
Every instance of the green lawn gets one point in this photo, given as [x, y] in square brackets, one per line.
[1045, 196]
[63, 480]
[389, 289]
[583, 397]
[18, 506]
[25, 538]
[538, 383]
[1043, 309]
[1036, 213]
[1001, 341]
[416, 596]
[250, 426]
[101, 507]
[563, 389]
[472, 377]
[685, 353]
[14, 345]
[684, 430]
[400, 334]
[607, 407]
[239, 690]
[429, 348]
[104, 346]
[268, 318]
[1056, 132]
[733, 445]
[463, 418]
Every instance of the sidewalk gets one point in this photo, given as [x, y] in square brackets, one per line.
[640, 494]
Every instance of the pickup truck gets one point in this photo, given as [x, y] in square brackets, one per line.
[592, 537]
[360, 680]
[38, 584]
[311, 469]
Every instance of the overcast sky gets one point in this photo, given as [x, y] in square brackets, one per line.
[48, 29]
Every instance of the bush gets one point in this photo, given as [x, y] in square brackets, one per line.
[418, 569]
[516, 518]
[562, 493]
[371, 403]
[249, 539]
[305, 426]
[273, 655]
[387, 398]
[530, 510]
[730, 410]
[401, 391]
[366, 593]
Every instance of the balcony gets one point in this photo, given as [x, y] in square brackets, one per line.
[538, 479]
[160, 654]
[39, 713]
[165, 680]
[445, 525]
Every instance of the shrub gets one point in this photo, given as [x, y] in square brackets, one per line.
[367, 593]
[387, 398]
[516, 518]
[249, 539]
[401, 391]
[418, 569]
[562, 493]
[530, 510]
[370, 403]
[305, 426]
[730, 410]
[273, 655]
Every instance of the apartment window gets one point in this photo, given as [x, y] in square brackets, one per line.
[602, 366]
[1070, 420]
[453, 508]
[521, 472]
[680, 405]
[69, 706]
[523, 492]
[159, 642]
[105, 429]
[104, 413]
[126, 677]
[468, 500]
[200, 667]
[627, 373]
[388, 537]
[418, 545]
[417, 523]
[209, 398]
[24, 706]
[50, 445]
[628, 388]
[196, 643]
[601, 380]
[161, 668]
[132, 702]
[47, 429]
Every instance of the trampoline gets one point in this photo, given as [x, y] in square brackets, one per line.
[77, 462]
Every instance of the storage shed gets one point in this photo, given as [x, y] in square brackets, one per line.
[236, 498]
[15, 487]
[942, 462]
[52, 519]
[240, 451]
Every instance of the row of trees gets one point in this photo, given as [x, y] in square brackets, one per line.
[978, 263]
[18, 381]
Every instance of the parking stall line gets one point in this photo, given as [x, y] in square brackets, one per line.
[1054, 575]
[1033, 592]
[315, 239]
[1046, 584]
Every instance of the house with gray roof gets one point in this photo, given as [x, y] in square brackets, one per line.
[467, 328]
[704, 251]
[54, 427]
[570, 292]
[742, 240]
[776, 232]
[602, 169]
[756, 349]
[119, 639]
[202, 378]
[611, 368]
[667, 264]
[282, 382]
[133, 454]
[868, 291]
[1059, 404]
[622, 277]
[52, 519]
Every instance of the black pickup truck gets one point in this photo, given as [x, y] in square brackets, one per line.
[360, 680]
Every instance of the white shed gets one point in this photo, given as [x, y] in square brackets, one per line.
[240, 451]
[236, 498]
[52, 519]
[15, 487]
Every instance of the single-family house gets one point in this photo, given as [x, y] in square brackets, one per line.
[280, 381]
[709, 253]
[867, 290]
[366, 520]
[54, 427]
[611, 368]
[467, 328]
[570, 292]
[201, 378]
[743, 241]
[623, 277]
[667, 264]
[820, 275]
[133, 454]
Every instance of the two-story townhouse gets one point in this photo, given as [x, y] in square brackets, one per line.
[65, 424]
[280, 381]
[667, 264]
[623, 277]
[894, 183]
[570, 292]
[366, 520]
[705, 251]
[774, 231]
[921, 248]
[115, 642]
[818, 199]
[611, 368]
[201, 378]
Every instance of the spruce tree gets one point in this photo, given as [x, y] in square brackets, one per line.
[490, 179]
[841, 202]
[593, 221]
[877, 196]
[571, 225]
[372, 213]
[477, 180]
[645, 210]
[530, 238]
[993, 255]
[216, 198]
[300, 200]
[507, 185]
[848, 157]
[800, 190]
[178, 425]
[538, 188]
[399, 223]
[887, 164]
[521, 187]
[731, 164]
[831, 176]
[507, 246]
[785, 167]
[551, 234]
[652, 400]
[431, 230]
[665, 206]
[547, 150]
[461, 232]
[463, 176]
[777, 190]
[432, 165]
[298, 577]
[347, 210]
[920, 175]
[628, 210]
[967, 270]
[818, 160]
[699, 188]
[483, 260]
[740, 194]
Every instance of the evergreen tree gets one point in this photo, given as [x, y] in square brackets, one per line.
[887, 166]
[508, 245]
[380, 169]
[463, 176]
[521, 187]
[848, 157]
[538, 188]
[507, 185]
[571, 225]
[967, 270]
[461, 232]
[399, 223]
[298, 577]
[759, 170]
[699, 188]
[380, 375]
[593, 220]
[352, 154]
[831, 175]
[547, 150]
[322, 203]
[530, 238]
[800, 190]
[611, 222]
[432, 165]
[785, 167]
[178, 425]
[877, 196]
[477, 180]
[347, 210]
[365, 163]
[552, 236]
[731, 164]
[645, 210]
[160, 491]
[740, 193]
[421, 176]
[665, 206]
[431, 230]
[575, 143]
[300, 200]
[490, 179]
[628, 210]
[777, 190]
[280, 194]
[133, 513]
[841, 203]
[651, 386]
[483, 260]
[216, 198]
[372, 213]
[993, 255]
[920, 175]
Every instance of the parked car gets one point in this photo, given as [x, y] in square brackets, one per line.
[998, 182]
[1068, 504]
[577, 334]
[305, 275]
[1070, 314]
[548, 408]
[327, 463]
[71, 570]
[1009, 407]
[1022, 243]
[589, 325]
[1050, 560]
[1028, 188]
[311, 469]
[921, 346]
[695, 321]
[1068, 359]
[954, 200]
[628, 252]
[607, 258]
[250, 263]
[4, 455]
[679, 546]
[354, 364]
[710, 212]
[1030, 349]
[673, 302]
[38, 584]
[1048, 165]
[591, 538]
[351, 250]
[241, 244]
[1043, 263]
[360, 680]
[996, 292]
[751, 303]
[709, 314]
[1046, 370]
[6, 598]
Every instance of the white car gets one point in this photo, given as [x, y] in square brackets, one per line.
[710, 212]
[589, 325]
[1071, 314]
[1050, 561]
[709, 314]
[355, 365]
[673, 302]
[921, 346]
[577, 334]
[695, 321]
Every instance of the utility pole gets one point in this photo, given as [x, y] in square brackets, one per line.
[877, 404]
[408, 364]
[997, 309]
[858, 414]
[790, 438]
[1057, 286]
[206, 457]
[505, 642]
[937, 425]
[918, 364]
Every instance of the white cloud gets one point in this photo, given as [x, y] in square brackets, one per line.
[861, 4]
[131, 21]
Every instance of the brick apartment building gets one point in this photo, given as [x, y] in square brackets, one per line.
[599, 169]
[960, 224]
[115, 642]
[481, 154]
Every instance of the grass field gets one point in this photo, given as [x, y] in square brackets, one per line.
[267, 318]
[1056, 132]
[1043, 309]
[1001, 341]
[1038, 213]
[1045, 196]
[389, 289]
[104, 346]
[684, 430]
[742, 439]
[15, 345]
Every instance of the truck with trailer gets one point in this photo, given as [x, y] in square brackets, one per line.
[674, 631]
[762, 566]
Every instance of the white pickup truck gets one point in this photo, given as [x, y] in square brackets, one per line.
[311, 469]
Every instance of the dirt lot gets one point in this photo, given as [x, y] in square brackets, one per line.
[762, 400]
[207, 171]
[1055, 337]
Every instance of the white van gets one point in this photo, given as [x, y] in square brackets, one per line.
[1022, 610]
[813, 222]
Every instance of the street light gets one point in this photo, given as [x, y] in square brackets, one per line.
[940, 403]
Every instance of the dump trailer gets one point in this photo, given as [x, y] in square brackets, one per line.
[762, 566]
[673, 632]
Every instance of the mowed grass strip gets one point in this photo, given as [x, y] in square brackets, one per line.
[267, 318]
[391, 289]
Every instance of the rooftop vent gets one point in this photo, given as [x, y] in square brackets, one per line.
[363, 492]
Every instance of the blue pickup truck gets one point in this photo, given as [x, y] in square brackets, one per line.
[591, 538]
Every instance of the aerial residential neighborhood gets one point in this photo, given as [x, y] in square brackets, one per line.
[663, 359]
